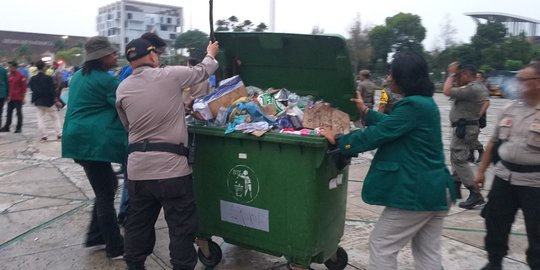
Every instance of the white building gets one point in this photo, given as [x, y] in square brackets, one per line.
[125, 20]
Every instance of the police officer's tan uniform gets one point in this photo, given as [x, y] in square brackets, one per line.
[517, 182]
[468, 102]
[367, 88]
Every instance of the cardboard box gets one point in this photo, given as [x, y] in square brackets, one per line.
[323, 116]
[227, 92]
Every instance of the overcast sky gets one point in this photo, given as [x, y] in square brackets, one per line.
[78, 17]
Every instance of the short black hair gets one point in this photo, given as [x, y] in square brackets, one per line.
[469, 69]
[13, 63]
[409, 71]
[154, 39]
[40, 65]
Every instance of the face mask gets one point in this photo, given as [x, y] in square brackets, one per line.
[513, 89]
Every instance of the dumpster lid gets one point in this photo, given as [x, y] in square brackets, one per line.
[316, 65]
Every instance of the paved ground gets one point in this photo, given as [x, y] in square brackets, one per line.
[45, 204]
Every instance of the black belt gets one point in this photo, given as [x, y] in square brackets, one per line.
[147, 146]
[466, 123]
[521, 168]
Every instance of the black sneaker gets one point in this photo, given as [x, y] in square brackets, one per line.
[18, 130]
[4, 129]
[475, 199]
[118, 255]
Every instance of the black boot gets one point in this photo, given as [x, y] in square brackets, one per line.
[471, 156]
[475, 199]
[4, 129]
[480, 155]
[458, 189]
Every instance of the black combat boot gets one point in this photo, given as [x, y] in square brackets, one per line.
[475, 199]
[458, 189]
[4, 129]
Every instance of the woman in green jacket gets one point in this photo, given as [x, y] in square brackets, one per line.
[408, 174]
[94, 137]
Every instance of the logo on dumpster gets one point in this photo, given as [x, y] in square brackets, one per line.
[243, 183]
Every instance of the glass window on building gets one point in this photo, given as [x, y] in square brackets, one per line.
[163, 28]
[161, 19]
[169, 20]
[130, 16]
[172, 36]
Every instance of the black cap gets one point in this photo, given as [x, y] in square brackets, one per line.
[138, 48]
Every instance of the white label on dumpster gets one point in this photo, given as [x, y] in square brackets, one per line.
[242, 155]
[244, 215]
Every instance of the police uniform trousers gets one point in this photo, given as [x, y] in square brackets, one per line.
[504, 200]
[459, 154]
[146, 198]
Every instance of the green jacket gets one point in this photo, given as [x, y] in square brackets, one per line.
[4, 83]
[408, 171]
[92, 129]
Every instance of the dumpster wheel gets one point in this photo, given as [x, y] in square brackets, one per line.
[338, 261]
[215, 254]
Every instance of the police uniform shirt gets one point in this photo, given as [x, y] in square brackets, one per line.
[368, 88]
[519, 127]
[150, 105]
[468, 101]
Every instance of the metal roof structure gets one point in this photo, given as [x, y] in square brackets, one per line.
[514, 24]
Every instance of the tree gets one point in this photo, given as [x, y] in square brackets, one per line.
[195, 41]
[359, 47]
[381, 39]
[408, 32]
[233, 24]
[24, 51]
[59, 45]
[402, 32]
[513, 64]
[317, 30]
[488, 34]
[448, 33]
[72, 57]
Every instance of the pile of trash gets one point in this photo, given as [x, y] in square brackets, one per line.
[256, 111]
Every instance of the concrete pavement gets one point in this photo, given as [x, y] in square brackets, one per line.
[45, 206]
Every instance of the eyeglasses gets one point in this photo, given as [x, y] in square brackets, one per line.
[526, 79]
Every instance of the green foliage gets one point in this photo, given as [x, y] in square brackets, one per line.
[488, 34]
[59, 45]
[486, 69]
[317, 30]
[408, 32]
[513, 64]
[24, 52]
[195, 41]
[233, 24]
[402, 32]
[72, 57]
[381, 39]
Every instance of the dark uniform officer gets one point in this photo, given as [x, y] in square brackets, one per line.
[367, 88]
[464, 115]
[517, 173]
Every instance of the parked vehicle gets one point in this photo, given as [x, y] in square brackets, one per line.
[499, 83]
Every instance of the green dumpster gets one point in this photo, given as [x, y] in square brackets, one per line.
[279, 194]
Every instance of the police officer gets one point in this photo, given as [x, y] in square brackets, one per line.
[468, 98]
[151, 107]
[367, 88]
[516, 143]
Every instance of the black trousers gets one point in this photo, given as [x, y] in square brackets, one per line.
[1, 109]
[504, 200]
[146, 198]
[14, 105]
[103, 227]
